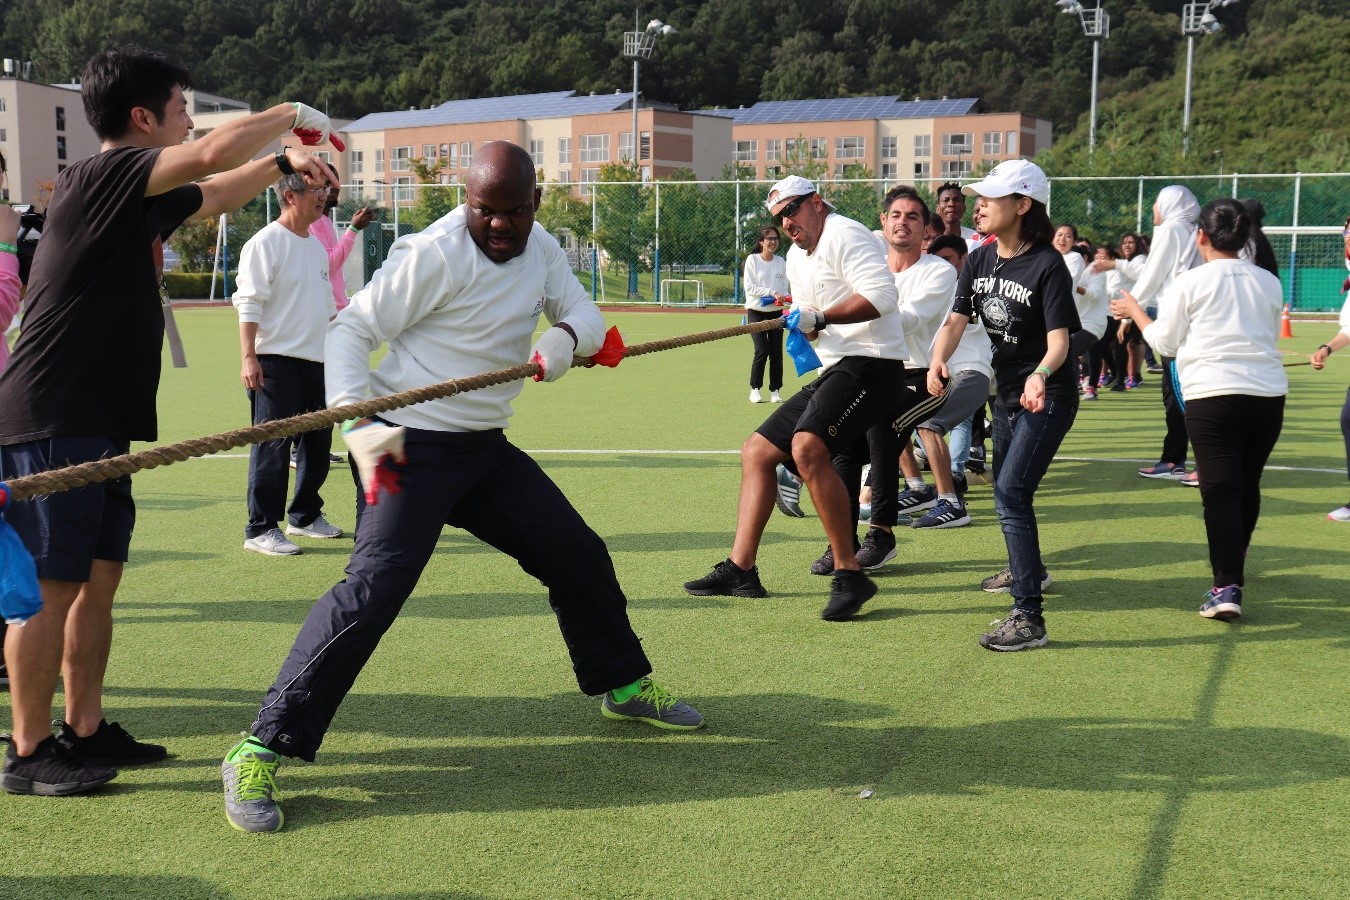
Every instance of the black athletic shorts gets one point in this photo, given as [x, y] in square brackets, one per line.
[850, 397]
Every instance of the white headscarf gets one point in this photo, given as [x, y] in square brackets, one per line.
[1173, 249]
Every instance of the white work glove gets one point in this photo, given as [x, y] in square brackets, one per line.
[377, 448]
[311, 126]
[809, 318]
[553, 353]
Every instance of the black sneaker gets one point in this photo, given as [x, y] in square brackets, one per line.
[728, 579]
[4, 676]
[912, 501]
[110, 745]
[51, 771]
[977, 460]
[945, 515]
[878, 548]
[825, 565]
[1019, 631]
[962, 485]
[848, 592]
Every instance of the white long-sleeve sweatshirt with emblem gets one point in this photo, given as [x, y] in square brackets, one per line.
[848, 261]
[447, 311]
[283, 287]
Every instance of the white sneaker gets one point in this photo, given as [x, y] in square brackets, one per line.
[319, 528]
[1340, 515]
[774, 398]
[272, 543]
[755, 396]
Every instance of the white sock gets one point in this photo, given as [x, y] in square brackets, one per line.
[950, 498]
[915, 484]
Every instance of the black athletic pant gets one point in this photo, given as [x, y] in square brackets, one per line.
[290, 387]
[1232, 437]
[768, 348]
[1174, 446]
[480, 482]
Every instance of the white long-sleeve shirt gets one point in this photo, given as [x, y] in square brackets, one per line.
[1222, 324]
[763, 278]
[1127, 272]
[447, 311]
[926, 290]
[1095, 302]
[283, 287]
[848, 261]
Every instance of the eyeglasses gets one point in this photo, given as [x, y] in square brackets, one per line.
[790, 210]
[771, 240]
[324, 191]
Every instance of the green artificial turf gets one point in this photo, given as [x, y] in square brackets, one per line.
[1145, 752]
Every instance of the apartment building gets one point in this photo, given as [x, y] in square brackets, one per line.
[42, 130]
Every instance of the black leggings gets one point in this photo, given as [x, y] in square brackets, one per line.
[768, 347]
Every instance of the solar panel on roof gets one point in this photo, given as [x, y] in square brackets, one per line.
[494, 109]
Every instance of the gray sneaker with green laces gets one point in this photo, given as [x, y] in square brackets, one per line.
[249, 772]
[654, 705]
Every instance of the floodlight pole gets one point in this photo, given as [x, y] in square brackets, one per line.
[637, 46]
[1096, 28]
[1196, 19]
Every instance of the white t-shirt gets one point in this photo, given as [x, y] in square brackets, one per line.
[926, 289]
[447, 311]
[283, 287]
[1222, 324]
[1345, 316]
[763, 278]
[847, 260]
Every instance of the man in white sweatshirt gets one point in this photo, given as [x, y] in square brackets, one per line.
[285, 301]
[459, 299]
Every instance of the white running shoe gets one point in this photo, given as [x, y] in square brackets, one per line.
[755, 396]
[272, 543]
[1340, 515]
[319, 528]
[774, 398]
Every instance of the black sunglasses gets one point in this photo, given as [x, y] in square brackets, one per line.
[790, 210]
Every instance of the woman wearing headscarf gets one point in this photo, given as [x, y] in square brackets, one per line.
[1172, 254]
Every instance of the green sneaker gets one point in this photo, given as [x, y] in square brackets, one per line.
[249, 773]
[655, 706]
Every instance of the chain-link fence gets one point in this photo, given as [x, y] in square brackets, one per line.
[684, 242]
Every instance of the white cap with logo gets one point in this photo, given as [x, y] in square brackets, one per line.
[789, 187]
[1013, 176]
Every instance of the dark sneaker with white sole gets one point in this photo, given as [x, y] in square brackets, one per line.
[945, 515]
[654, 705]
[788, 498]
[727, 579]
[249, 774]
[1019, 631]
[109, 745]
[1002, 582]
[848, 592]
[912, 501]
[878, 548]
[50, 771]
[1222, 603]
[825, 565]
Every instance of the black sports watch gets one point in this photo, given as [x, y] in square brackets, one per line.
[284, 164]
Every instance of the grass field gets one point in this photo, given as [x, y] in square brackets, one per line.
[1145, 752]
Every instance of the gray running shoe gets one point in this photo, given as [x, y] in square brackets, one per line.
[249, 783]
[1002, 582]
[655, 706]
[319, 528]
[878, 548]
[1019, 631]
[272, 543]
[789, 496]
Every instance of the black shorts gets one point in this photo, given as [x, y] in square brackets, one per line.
[67, 531]
[850, 397]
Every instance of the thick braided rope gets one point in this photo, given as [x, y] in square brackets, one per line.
[58, 480]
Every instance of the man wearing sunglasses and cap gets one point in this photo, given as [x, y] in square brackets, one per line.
[285, 302]
[847, 302]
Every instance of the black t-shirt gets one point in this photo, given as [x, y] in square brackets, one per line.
[87, 360]
[1028, 296]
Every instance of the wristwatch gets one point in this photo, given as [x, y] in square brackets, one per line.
[284, 164]
[1326, 347]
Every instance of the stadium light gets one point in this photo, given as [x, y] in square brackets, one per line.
[1196, 19]
[637, 46]
[1096, 24]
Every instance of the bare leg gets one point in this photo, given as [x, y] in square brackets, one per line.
[909, 466]
[88, 641]
[829, 496]
[759, 486]
[939, 460]
[33, 655]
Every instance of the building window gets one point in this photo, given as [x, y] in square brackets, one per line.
[465, 154]
[564, 151]
[923, 146]
[890, 171]
[819, 148]
[379, 191]
[2, 104]
[398, 159]
[60, 118]
[890, 147]
[923, 171]
[379, 159]
[745, 151]
[358, 188]
[1012, 143]
[403, 190]
[428, 151]
[957, 143]
[3, 136]
[773, 149]
[796, 149]
[452, 157]
[594, 148]
[60, 146]
[849, 148]
[625, 146]
[445, 151]
[356, 161]
[537, 153]
[564, 176]
[993, 143]
[773, 171]
[645, 145]
[589, 176]
[957, 168]
[323, 155]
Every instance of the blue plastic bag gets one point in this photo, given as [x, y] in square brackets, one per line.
[20, 598]
[798, 347]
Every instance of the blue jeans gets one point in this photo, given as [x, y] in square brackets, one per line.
[1024, 445]
[958, 443]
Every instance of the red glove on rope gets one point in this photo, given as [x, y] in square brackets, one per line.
[612, 350]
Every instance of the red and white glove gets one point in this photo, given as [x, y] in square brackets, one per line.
[377, 449]
[553, 353]
[313, 128]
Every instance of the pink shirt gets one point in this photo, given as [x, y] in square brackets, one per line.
[338, 251]
[10, 289]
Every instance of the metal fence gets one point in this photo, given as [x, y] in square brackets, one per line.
[684, 242]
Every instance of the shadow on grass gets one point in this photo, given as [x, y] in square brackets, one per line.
[598, 459]
[177, 887]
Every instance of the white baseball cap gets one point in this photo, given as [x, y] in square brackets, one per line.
[1013, 176]
[789, 187]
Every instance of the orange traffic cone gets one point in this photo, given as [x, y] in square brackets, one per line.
[1285, 330]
